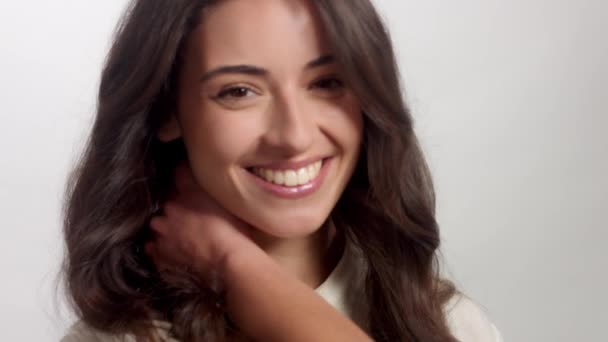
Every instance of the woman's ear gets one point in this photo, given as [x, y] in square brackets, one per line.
[169, 130]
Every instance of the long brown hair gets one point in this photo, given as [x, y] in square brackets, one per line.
[387, 210]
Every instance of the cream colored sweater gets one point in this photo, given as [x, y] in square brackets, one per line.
[343, 289]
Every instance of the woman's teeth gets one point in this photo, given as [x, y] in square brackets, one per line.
[290, 177]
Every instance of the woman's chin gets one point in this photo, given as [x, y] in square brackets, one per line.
[289, 229]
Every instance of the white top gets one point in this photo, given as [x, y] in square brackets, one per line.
[343, 289]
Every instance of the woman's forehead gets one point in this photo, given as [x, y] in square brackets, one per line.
[259, 32]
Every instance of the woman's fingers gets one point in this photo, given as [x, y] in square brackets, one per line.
[194, 230]
[162, 249]
[159, 225]
[152, 253]
[150, 250]
[161, 261]
[184, 179]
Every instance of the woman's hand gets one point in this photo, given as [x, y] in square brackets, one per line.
[195, 232]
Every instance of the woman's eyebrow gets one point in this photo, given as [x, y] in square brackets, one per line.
[257, 71]
[320, 61]
[234, 69]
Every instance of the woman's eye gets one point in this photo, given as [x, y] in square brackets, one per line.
[234, 93]
[329, 84]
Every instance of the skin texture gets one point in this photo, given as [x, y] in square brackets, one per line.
[290, 106]
[289, 112]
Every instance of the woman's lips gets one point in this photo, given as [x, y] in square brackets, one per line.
[292, 183]
[290, 177]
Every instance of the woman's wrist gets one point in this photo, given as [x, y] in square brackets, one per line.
[268, 304]
[240, 263]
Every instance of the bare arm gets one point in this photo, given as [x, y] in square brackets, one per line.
[271, 305]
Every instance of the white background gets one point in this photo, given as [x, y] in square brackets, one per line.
[511, 104]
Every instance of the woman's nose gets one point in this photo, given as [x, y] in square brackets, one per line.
[291, 125]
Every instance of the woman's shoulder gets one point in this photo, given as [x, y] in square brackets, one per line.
[469, 322]
[82, 332]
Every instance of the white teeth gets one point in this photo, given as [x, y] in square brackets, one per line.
[279, 178]
[290, 178]
[268, 174]
[303, 176]
[312, 170]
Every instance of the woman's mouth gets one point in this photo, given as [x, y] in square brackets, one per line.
[290, 178]
[291, 183]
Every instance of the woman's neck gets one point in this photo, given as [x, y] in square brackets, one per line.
[311, 258]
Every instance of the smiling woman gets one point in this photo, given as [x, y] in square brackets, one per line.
[256, 177]
[276, 108]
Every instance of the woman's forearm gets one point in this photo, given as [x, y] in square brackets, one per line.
[270, 305]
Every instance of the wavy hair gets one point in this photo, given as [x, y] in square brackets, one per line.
[124, 175]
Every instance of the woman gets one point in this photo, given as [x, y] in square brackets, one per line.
[251, 163]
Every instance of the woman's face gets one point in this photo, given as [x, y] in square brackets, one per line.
[272, 133]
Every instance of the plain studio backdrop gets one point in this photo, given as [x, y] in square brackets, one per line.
[511, 104]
